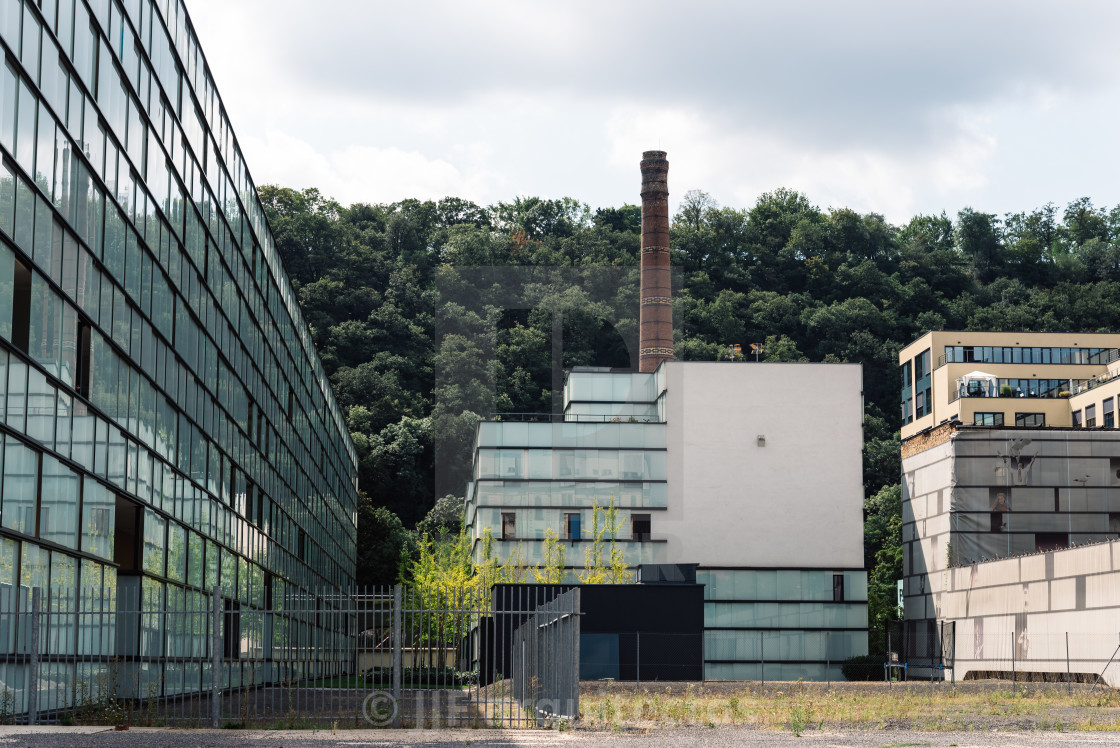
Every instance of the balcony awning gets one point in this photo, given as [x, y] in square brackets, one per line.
[978, 376]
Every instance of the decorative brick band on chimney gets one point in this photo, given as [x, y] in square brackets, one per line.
[656, 311]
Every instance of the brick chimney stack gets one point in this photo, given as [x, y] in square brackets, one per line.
[656, 314]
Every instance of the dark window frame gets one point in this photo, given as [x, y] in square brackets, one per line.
[641, 527]
[571, 518]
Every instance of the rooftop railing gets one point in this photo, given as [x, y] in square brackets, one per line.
[570, 418]
[972, 356]
[989, 389]
[1089, 384]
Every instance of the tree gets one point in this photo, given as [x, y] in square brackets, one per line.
[382, 540]
[695, 206]
[781, 348]
[443, 565]
[882, 538]
[603, 560]
[394, 466]
[373, 280]
[552, 571]
[445, 518]
[443, 589]
[978, 239]
[1084, 222]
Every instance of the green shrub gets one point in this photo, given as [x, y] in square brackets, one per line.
[863, 667]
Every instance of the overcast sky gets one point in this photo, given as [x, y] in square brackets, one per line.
[898, 107]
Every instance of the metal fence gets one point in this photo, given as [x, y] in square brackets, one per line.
[1017, 654]
[920, 648]
[1003, 652]
[545, 648]
[387, 656]
[643, 656]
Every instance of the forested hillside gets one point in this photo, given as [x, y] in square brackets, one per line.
[378, 282]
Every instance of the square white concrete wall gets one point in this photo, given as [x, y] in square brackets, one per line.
[765, 465]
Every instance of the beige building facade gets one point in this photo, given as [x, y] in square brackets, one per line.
[1008, 379]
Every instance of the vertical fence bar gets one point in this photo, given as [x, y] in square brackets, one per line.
[33, 660]
[397, 637]
[1069, 687]
[1012, 660]
[575, 629]
[953, 672]
[215, 657]
[827, 661]
[762, 658]
[637, 659]
[887, 662]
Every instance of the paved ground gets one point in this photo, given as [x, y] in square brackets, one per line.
[95, 737]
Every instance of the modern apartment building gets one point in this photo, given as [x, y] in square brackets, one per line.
[707, 465]
[1006, 379]
[166, 427]
[1010, 464]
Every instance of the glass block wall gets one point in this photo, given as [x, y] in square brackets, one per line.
[165, 424]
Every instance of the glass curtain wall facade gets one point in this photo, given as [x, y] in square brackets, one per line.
[782, 624]
[165, 424]
[534, 476]
[530, 477]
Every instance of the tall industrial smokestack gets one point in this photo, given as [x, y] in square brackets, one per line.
[656, 314]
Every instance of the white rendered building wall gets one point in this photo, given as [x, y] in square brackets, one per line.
[793, 501]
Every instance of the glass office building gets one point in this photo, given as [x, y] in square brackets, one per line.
[166, 427]
[610, 446]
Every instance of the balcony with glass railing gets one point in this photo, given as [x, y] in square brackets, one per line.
[990, 354]
[1094, 382]
[1012, 387]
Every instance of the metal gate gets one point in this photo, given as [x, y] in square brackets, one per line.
[928, 645]
[385, 657]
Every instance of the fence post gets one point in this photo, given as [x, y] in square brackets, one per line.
[638, 659]
[575, 629]
[1013, 659]
[398, 636]
[887, 664]
[216, 657]
[762, 658]
[827, 661]
[1069, 688]
[33, 663]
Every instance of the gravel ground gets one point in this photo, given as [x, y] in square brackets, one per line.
[87, 737]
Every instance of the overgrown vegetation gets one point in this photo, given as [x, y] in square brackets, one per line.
[802, 707]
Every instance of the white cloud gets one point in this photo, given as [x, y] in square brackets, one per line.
[735, 165]
[356, 173]
[893, 107]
